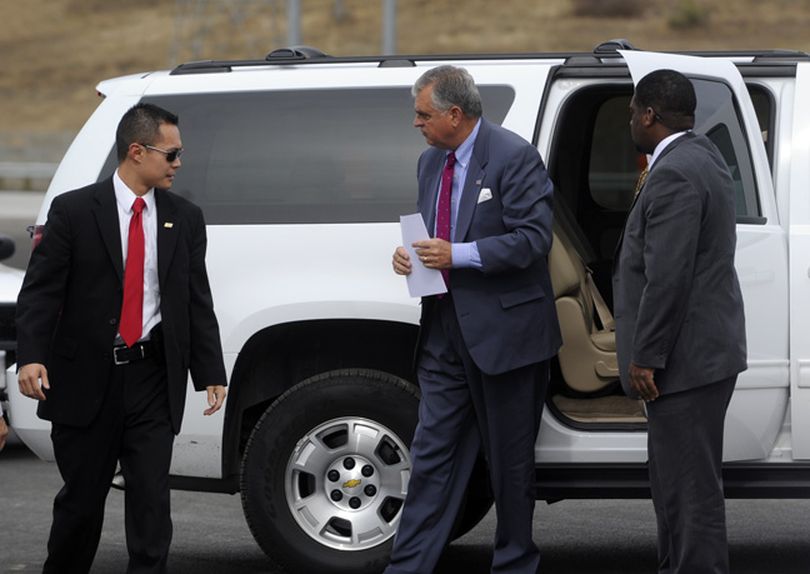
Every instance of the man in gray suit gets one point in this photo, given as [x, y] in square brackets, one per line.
[680, 328]
[484, 346]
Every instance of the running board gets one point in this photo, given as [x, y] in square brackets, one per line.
[626, 481]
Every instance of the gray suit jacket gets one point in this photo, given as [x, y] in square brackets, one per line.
[506, 309]
[678, 305]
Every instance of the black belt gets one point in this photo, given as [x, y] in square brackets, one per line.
[123, 355]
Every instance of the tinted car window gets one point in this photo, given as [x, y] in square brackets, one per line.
[614, 164]
[716, 117]
[315, 156]
[765, 107]
[614, 161]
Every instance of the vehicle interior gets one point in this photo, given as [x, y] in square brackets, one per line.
[594, 178]
[595, 168]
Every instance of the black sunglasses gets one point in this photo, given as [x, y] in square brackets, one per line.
[170, 155]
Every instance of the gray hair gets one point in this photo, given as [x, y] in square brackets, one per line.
[452, 86]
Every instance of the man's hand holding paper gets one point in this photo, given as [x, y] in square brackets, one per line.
[424, 277]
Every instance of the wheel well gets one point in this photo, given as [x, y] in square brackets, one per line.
[278, 357]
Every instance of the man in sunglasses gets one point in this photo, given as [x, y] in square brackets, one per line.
[114, 311]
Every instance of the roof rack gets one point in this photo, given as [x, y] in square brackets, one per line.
[295, 56]
[300, 55]
[612, 47]
[295, 53]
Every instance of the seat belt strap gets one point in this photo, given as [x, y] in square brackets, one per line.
[602, 310]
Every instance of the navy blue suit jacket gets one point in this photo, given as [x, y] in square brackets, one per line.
[505, 309]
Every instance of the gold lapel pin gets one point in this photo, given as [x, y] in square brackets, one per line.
[168, 225]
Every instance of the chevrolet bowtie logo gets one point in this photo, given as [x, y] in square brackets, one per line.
[352, 483]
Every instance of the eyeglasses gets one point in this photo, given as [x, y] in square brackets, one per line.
[171, 155]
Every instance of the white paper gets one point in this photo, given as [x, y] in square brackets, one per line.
[422, 281]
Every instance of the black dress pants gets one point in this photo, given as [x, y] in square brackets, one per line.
[133, 426]
[685, 432]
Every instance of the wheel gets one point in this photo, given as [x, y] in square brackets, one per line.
[325, 471]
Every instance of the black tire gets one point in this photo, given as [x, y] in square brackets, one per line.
[363, 415]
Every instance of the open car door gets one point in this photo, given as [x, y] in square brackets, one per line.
[725, 114]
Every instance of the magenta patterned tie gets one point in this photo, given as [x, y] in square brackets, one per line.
[443, 211]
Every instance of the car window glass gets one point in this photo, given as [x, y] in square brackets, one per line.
[314, 156]
[614, 161]
[764, 106]
[716, 117]
[614, 164]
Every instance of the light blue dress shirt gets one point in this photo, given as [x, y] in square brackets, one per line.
[464, 254]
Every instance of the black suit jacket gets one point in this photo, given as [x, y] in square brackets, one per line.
[677, 301]
[70, 302]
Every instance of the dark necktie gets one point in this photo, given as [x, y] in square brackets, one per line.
[642, 179]
[443, 213]
[132, 309]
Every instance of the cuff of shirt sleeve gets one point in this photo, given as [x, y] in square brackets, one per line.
[466, 255]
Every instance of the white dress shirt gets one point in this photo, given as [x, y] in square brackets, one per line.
[124, 198]
[662, 145]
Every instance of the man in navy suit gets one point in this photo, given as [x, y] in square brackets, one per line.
[484, 348]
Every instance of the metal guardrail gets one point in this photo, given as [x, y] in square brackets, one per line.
[26, 175]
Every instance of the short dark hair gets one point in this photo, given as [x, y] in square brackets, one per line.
[671, 95]
[141, 124]
[452, 86]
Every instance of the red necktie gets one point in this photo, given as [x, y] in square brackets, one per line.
[132, 310]
[443, 214]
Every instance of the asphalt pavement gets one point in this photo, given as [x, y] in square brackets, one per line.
[575, 537]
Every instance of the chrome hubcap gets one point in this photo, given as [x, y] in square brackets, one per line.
[346, 482]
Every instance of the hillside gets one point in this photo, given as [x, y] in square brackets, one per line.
[55, 51]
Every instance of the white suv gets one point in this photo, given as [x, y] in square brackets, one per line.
[10, 282]
[303, 163]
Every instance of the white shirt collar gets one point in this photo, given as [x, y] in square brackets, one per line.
[125, 197]
[662, 145]
[464, 151]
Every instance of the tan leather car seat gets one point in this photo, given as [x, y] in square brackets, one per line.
[588, 355]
